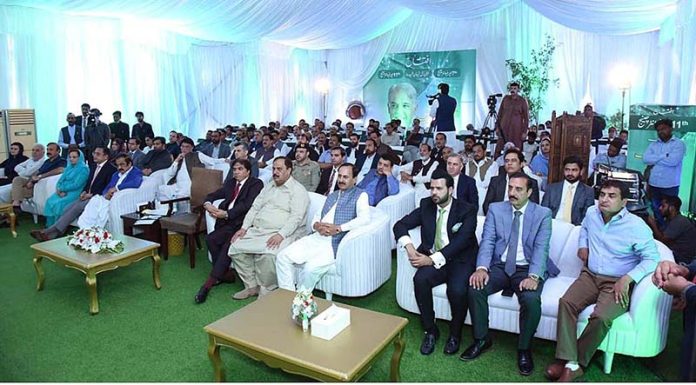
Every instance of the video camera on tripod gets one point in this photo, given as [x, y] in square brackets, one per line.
[493, 101]
[431, 98]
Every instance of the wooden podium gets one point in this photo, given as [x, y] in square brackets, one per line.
[570, 135]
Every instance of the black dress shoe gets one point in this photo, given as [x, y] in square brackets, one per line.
[452, 345]
[525, 362]
[475, 350]
[428, 345]
[202, 295]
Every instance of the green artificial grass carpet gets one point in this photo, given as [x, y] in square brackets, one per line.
[143, 335]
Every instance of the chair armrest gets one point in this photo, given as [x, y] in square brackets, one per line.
[209, 220]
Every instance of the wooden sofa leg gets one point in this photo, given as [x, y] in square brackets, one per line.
[608, 360]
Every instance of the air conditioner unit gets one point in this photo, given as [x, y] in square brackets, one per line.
[18, 125]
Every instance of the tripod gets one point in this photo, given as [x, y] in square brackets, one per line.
[491, 118]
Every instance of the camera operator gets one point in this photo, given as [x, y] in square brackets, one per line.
[513, 119]
[97, 133]
[442, 107]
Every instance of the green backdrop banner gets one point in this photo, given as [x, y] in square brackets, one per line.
[399, 87]
[641, 124]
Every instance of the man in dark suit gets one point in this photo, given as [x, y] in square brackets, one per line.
[569, 200]
[367, 160]
[119, 129]
[444, 107]
[142, 129]
[328, 181]
[217, 148]
[680, 281]
[96, 134]
[446, 255]
[238, 193]
[157, 159]
[135, 153]
[498, 188]
[513, 255]
[464, 185]
[100, 173]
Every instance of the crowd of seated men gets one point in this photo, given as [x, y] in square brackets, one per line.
[259, 234]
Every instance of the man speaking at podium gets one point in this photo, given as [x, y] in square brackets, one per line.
[442, 109]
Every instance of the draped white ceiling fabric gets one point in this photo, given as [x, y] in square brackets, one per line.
[195, 65]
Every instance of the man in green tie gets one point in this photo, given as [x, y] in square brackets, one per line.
[446, 255]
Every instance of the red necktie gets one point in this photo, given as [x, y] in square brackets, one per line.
[236, 192]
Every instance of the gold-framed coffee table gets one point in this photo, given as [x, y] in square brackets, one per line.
[6, 208]
[58, 251]
[264, 331]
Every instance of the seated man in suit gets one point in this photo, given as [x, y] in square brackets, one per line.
[446, 255]
[367, 160]
[380, 183]
[679, 281]
[238, 193]
[513, 255]
[276, 219]
[464, 186]
[328, 182]
[618, 250]
[123, 176]
[135, 152]
[345, 209]
[241, 151]
[217, 148]
[156, 159]
[569, 200]
[498, 188]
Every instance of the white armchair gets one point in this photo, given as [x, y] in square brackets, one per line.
[397, 206]
[126, 201]
[363, 260]
[641, 332]
[42, 191]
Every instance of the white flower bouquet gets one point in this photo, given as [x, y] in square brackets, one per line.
[303, 308]
[95, 240]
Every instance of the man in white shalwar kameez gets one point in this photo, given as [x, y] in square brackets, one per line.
[178, 175]
[276, 219]
[345, 209]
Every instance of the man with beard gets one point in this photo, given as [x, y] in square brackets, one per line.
[468, 152]
[345, 209]
[569, 200]
[353, 150]
[71, 134]
[446, 255]
[142, 129]
[368, 160]
[420, 171]
[217, 149]
[613, 157]
[156, 159]
[440, 144]
[513, 255]
[482, 169]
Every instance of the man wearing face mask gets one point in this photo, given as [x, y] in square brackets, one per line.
[345, 209]
[71, 134]
[513, 119]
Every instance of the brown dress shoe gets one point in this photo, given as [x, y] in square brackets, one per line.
[570, 375]
[554, 370]
[246, 293]
[39, 235]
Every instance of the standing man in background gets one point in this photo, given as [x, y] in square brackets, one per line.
[142, 129]
[513, 119]
[118, 128]
[442, 109]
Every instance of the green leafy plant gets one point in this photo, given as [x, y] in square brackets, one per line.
[615, 120]
[534, 78]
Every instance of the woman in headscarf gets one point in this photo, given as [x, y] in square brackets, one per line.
[69, 186]
[16, 157]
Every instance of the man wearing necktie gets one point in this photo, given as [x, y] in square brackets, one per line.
[569, 199]
[329, 176]
[239, 193]
[513, 255]
[446, 255]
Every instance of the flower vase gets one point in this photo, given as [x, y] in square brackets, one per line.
[305, 324]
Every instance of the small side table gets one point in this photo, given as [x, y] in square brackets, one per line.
[151, 232]
[6, 208]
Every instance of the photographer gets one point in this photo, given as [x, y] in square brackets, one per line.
[442, 107]
[97, 133]
[513, 119]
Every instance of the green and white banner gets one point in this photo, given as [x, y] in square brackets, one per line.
[399, 87]
[642, 132]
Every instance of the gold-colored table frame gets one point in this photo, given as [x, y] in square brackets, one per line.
[6, 208]
[264, 331]
[58, 251]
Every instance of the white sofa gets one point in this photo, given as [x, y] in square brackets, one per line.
[42, 191]
[641, 332]
[397, 206]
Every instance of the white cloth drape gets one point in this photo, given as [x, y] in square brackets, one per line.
[193, 66]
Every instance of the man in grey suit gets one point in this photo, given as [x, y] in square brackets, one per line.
[498, 188]
[569, 200]
[217, 148]
[134, 151]
[513, 255]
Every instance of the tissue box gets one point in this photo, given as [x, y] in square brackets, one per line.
[330, 322]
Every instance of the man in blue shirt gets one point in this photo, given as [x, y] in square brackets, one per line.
[23, 188]
[380, 183]
[665, 155]
[613, 264]
[613, 157]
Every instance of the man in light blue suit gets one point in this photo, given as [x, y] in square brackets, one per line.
[513, 255]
